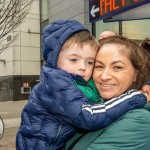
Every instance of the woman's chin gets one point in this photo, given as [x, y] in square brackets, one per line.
[107, 96]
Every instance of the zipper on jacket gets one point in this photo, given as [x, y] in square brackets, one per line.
[55, 139]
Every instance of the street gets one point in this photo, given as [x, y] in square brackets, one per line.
[10, 112]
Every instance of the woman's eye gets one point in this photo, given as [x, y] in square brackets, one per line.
[98, 66]
[117, 68]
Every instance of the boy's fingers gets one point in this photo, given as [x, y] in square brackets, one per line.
[146, 88]
[146, 91]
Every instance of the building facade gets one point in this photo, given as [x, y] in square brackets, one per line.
[79, 10]
[19, 71]
[65, 9]
[20, 64]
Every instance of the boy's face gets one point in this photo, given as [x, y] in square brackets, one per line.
[78, 60]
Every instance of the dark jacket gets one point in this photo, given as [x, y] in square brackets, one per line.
[56, 106]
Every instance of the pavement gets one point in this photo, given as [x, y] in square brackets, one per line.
[10, 112]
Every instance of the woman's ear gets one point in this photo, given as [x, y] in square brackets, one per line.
[136, 73]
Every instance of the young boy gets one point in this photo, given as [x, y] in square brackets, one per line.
[56, 107]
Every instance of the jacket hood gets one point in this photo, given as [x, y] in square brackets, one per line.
[54, 36]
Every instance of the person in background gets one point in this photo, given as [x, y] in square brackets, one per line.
[120, 65]
[106, 34]
[146, 44]
[64, 98]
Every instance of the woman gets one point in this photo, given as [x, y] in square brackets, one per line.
[120, 65]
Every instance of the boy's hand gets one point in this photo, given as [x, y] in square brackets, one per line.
[146, 91]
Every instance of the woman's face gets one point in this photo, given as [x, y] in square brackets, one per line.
[113, 73]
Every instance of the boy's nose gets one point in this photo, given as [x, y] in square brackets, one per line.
[82, 66]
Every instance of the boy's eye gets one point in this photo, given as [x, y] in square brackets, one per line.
[90, 62]
[73, 59]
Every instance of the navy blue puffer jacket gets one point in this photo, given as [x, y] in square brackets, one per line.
[56, 106]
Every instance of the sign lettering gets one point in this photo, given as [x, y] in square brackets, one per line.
[101, 9]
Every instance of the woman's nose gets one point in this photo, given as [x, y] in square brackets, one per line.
[106, 74]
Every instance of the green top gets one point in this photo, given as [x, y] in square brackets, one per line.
[129, 132]
[89, 89]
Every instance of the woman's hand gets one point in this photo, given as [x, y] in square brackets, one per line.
[146, 90]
